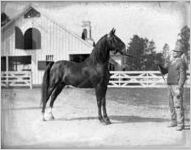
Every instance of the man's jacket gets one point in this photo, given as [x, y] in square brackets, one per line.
[176, 70]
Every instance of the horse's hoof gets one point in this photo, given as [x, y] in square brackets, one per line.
[101, 119]
[51, 118]
[102, 122]
[107, 121]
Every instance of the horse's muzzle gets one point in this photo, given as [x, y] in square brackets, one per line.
[124, 52]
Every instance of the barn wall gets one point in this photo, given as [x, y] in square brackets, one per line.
[55, 40]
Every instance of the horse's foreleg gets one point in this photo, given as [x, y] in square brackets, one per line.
[105, 117]
[56, 92]
[98, 97]
[103, 103]
[99, 110]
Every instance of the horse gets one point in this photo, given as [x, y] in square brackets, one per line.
[91, 73]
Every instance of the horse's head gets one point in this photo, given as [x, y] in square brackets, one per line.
[109, 42]
[115, 43]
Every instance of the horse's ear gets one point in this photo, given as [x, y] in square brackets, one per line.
[112, 32]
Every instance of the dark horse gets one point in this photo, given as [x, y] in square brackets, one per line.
[92, 73]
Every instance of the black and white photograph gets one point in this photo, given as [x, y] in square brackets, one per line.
[95, 74]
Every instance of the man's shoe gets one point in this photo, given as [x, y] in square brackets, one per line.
[172, 124]
[179, 128]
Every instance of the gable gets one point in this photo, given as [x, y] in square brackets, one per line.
[31, 13]
[47, 25]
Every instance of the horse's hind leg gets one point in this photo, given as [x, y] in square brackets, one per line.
[50, 90]
[56, 92]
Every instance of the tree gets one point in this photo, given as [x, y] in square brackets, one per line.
[166, 50]
[144, 52]
[150, 61]
[150, 49]
[165, 53]
[185, 40]
[136, 48]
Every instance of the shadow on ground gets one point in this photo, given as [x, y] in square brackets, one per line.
[122, 119]
[119, 119]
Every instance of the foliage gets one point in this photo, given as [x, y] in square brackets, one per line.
[185, 40]
[136, 48]
[165, 53]
[166, 50]
[144, 54]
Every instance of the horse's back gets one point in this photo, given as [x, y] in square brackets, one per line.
[82, 75]
[68, 72]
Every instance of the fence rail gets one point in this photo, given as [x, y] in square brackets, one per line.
[139, 79]
[16, 78]
[118, 79]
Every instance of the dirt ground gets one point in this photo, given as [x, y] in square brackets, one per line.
[139, 118]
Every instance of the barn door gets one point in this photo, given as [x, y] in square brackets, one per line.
[19, 63]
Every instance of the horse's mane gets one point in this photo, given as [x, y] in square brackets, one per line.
[100, 52]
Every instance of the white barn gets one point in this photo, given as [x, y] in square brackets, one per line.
[32, 39]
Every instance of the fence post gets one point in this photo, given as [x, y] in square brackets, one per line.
[30, 79]
[7, 78]
[7, 71]
[120, 79]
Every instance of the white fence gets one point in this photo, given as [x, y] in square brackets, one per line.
[118, 79]
[16, 78]
[139, 79]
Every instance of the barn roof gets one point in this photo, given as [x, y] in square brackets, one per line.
[29, 8]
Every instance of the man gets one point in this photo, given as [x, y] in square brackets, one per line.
[176, 69]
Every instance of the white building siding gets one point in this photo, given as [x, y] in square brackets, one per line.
[55, 40]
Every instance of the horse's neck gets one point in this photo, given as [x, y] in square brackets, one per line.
[100, 53]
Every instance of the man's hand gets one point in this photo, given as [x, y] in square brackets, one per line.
[162, 69]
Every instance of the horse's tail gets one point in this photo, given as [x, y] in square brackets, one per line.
[45, 83]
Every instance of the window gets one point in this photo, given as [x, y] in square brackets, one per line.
[49, 57]
[19, 63]
[4, 19]
[84, 34]
[43, 64]
[111, 67]
[32, 13]
[32, 39]
[3, 63]
[19, 39]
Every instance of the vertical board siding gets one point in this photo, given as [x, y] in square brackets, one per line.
[55, 40]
